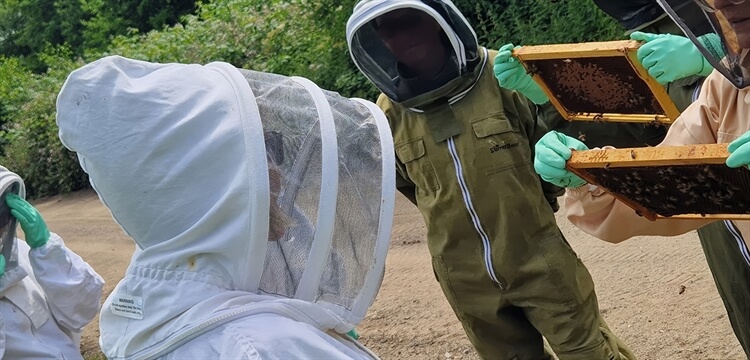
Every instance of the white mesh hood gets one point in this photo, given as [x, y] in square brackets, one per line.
[182, 154]
[9, 183]
[379, 65]
[328, 161]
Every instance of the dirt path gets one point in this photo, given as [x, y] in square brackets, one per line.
[639, 283]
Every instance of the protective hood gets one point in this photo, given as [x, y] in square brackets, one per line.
[719, 46]
[636, 14]
[632, 14]
[231, 182]
[9, 183]
[379, 65]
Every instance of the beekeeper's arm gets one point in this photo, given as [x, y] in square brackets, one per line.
[73, 289]
[511, 75]
[599, 213]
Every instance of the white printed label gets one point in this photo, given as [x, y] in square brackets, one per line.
[128, 306]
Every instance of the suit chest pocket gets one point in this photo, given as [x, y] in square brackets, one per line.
[413, 155]
[499, 146]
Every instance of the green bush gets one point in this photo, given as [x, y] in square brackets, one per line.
[534, 22]
[14, 79]
[290, 37]
[295, 37]
[32, 148]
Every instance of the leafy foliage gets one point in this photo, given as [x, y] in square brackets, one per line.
[43, 40]
[534, 22]
[111, 18]
[31, 147]
[285, 37]
[27, 27]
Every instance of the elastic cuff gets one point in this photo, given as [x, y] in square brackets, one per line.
[707, 67]
[579, 192]
[533, 92]
[53, 247]
[538, 99]
[713, 44]
[584, 190]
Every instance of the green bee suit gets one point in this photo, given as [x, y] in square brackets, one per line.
[503, 264]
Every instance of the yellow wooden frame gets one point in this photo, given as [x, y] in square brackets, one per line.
[580, 161]
[626, 48]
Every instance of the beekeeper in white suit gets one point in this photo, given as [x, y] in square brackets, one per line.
[260, 204]
[47, 292]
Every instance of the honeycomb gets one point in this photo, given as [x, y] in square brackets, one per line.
[680, 189]
[597, 85]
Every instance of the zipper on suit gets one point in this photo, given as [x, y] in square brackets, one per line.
[740, 241]
[472, 213]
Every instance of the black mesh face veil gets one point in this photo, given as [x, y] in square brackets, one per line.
[719, 46]
[373, 58]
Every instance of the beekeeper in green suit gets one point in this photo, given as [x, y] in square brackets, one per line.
[464, 150]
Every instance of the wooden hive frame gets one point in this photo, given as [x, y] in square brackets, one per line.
[582, 162]
[526, 55]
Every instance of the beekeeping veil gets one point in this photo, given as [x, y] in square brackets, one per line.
[331, 193]
[238, 180]
[9, 183]
[723, 53]
[379, 65]
[634, 15]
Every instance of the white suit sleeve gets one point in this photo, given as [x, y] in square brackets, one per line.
[72, 287]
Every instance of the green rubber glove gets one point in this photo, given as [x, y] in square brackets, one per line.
[353, 334]
[31, 220]
[670, 57]
[513, 76]
[740, 152]
[2, 264]
[552, 152]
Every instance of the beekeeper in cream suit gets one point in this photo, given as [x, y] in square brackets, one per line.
[47, 292]
[261, 206]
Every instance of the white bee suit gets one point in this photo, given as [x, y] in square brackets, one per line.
[191, 160]
[47, 295]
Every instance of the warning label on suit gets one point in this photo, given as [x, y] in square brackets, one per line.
[127, 306]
